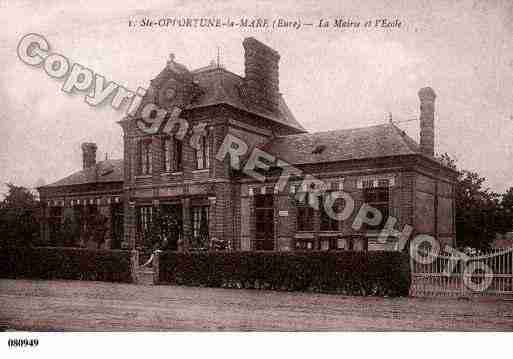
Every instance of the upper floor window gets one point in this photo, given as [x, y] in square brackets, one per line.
[379, 198]
[203, 153]
[172, 154]
[145, 157]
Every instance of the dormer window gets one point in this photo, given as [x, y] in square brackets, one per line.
[145, 157]
[203, 153]
[319, 149]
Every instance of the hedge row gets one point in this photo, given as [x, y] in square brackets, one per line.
[345, 272]
[68, 263]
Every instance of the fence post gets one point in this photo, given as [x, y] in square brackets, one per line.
[155, 264]
[134, 264]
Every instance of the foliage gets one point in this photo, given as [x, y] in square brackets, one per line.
[67, 263]
[480, 213]
[164, 231]
[19, 217]
[345, 272]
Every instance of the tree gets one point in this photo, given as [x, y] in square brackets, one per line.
[480, 213]
[505, 219]
[19, 212]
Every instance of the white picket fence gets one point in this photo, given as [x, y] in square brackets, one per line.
[446, 275]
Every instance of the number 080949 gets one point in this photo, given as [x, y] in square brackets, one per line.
[20, 343]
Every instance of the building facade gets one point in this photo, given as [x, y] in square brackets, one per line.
[197, 188]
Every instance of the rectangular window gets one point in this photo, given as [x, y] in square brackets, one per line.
[144, 220]
[172, 154]
[54, 222]
[177, 155]
[145, 157]
[305, 214]
[166, 153]
[199, 226]
[264, 222]
[117, 225]
[78, 213]
[379, 198]
[327, 223]
[203, 153]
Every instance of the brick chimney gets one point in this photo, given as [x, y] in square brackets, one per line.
[261, 75]
[88, 154]
[427, 121]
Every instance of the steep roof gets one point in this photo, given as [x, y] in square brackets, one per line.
[221, 86]
[340, 145]
[104, 171]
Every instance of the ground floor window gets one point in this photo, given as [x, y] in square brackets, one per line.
[327, 222]
[199, 227]
[54, 223]
[144, 221]
[379, 198]
[117, 225]
[264, 222]
[305, 214]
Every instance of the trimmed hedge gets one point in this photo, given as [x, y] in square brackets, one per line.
[344, 272]
[68, 263]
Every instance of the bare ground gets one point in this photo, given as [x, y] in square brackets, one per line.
[97, 306]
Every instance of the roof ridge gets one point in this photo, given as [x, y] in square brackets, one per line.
[209, 68]
[331, 131]
[90, 175]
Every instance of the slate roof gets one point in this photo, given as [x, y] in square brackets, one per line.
[104, 171]
[340, 145]
[221, 86]
[320, 147]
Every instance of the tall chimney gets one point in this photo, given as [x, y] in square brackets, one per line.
[88, 154]
[427, 121]
[261, 75]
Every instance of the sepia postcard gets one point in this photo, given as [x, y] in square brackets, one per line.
[177, 167]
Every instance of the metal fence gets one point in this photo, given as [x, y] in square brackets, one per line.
[457, 275]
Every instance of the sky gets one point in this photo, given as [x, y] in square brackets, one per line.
[330, 78]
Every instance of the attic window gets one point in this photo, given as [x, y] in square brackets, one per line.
[319, 149]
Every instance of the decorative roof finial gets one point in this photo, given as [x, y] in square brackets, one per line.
[171, 57]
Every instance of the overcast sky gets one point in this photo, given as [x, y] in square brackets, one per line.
[331, 78]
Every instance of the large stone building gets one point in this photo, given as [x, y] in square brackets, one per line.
[195, 197]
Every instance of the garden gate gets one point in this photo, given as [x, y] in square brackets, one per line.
[459, 275]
